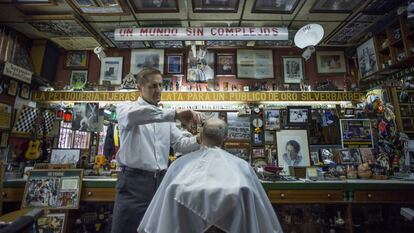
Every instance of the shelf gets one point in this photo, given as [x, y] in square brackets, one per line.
[408, 91]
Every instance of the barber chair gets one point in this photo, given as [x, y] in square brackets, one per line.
[21, 221]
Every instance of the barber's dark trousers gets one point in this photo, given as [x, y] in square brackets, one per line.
[134, 193]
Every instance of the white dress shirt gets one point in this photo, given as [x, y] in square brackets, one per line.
[210, 187]
[146, 134]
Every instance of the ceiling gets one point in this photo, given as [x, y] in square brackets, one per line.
[85, 24]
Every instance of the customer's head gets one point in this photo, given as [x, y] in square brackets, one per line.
[292, 148]
[214, 132]
[149, 83]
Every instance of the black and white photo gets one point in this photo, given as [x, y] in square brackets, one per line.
[293, 70]
[111, 70]
[292, 148]
[200, 68]
[85, 117]
[238, 127]
[314, 158]
[298, 115]
[64, 156]
[147, 58]
[367, 58]
[272, 119]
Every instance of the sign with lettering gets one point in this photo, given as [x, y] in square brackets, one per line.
[117, 96]
[17, 72]
[201, 33]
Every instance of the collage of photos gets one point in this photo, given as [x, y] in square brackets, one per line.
[51, 223]
[54, 190]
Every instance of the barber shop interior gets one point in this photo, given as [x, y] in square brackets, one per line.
[206, 116]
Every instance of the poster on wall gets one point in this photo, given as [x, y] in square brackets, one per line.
[85, 117]
[255, 64]
[53, 189]
[356, 133]
[200, 68]
[111, 70]
[367, 58]
[147, 58]
[238, 127]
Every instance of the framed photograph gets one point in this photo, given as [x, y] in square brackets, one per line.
[349, 112]
[218, 6]
[77, 60]
[292, 148]
[147, 58]
[111, 70]
[64, 156]
[52, 222]
[333, 6]
[174, 64]
[356, 133]
[6, 112]
[238, 127]
[298, 115]
[330, 62]
[292, 69]
[258, 153]
[226, 64]
[367, 58]
[85, 117]
[24, 91]
[367, 156]
[255, 64]
[345, 156]
[314, 158]
[53, 189]
[269, 137]
[326, 154]
[4, 139]
[200, 70]
[148, 6]
[78, 79]
[275, 7]
[12, 87]
[272, 119]
[355, 156]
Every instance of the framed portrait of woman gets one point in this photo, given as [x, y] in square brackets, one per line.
[292, 148]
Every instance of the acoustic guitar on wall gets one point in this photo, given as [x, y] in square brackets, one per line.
[33, 151]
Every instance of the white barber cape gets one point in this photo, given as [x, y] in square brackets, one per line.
[210, 187]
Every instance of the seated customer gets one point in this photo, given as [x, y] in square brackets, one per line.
[210, 188]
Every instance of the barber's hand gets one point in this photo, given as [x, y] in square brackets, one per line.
[188, 117]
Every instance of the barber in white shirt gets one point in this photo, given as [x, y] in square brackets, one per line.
[146, 134]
